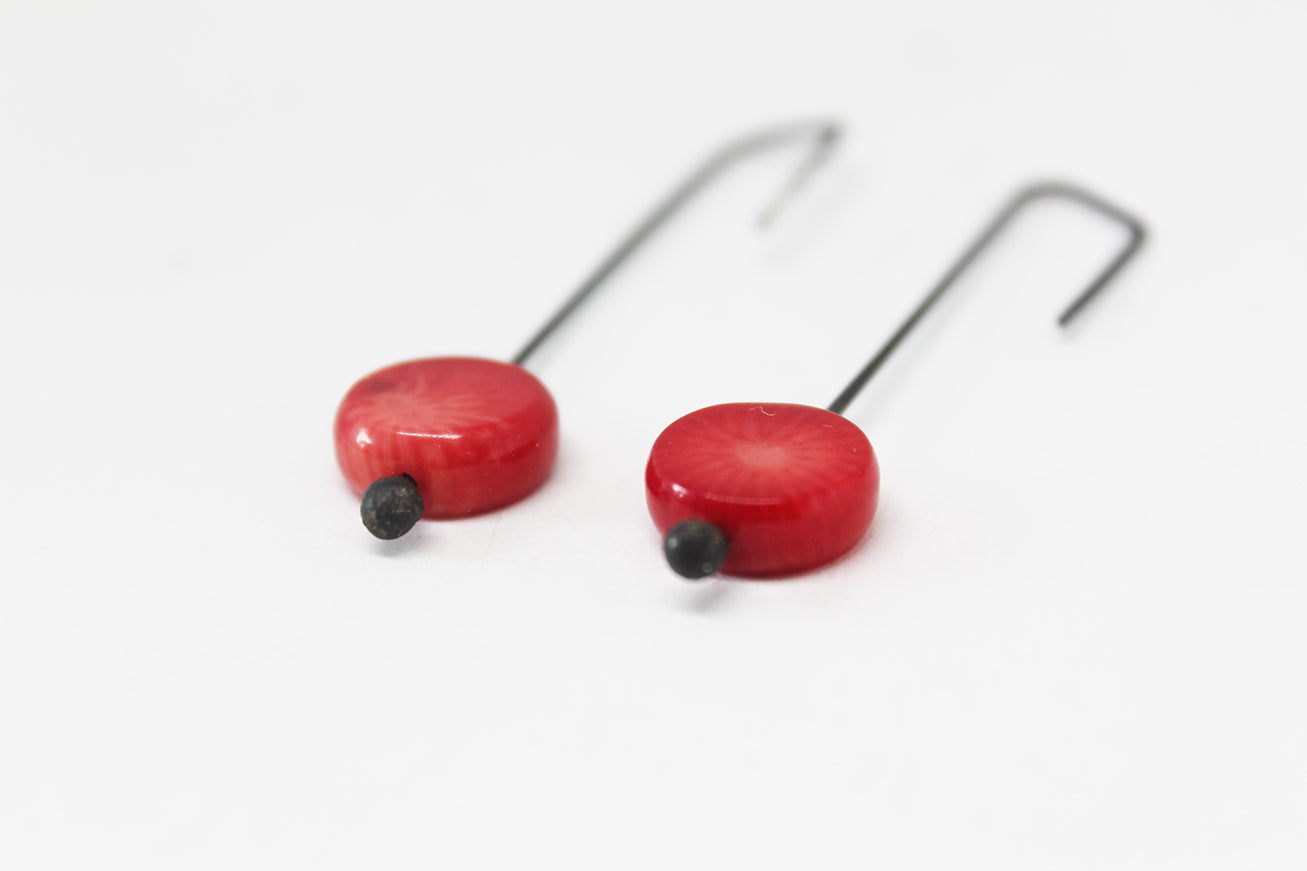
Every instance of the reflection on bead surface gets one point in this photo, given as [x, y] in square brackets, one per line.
[475, 434]
[792, 487]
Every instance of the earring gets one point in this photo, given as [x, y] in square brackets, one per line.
[770, 489]
[454, 436]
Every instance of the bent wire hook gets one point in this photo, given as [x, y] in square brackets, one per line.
[825, 135]
[1027, 195]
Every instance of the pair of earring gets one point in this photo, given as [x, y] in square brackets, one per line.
[748, 489]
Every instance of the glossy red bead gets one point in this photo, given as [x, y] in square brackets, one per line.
[792, 487]
[475, 434]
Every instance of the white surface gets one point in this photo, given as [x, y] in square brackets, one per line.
[1074, 638]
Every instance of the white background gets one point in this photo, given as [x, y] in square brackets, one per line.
[1074, 638]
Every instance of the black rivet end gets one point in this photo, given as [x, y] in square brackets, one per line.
[391, 506]
[695, 549]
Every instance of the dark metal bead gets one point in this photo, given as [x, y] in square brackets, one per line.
[695, 549]
[391, 506]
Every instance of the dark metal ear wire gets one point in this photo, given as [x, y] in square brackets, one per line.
[1044, 190]
[825, 135]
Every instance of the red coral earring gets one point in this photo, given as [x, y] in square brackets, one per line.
[453, 436]
[769, 489]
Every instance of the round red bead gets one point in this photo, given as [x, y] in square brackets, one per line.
[475, 434]
[791, 486]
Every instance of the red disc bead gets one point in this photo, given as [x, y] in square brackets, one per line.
[791, 486]
[475, 434]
